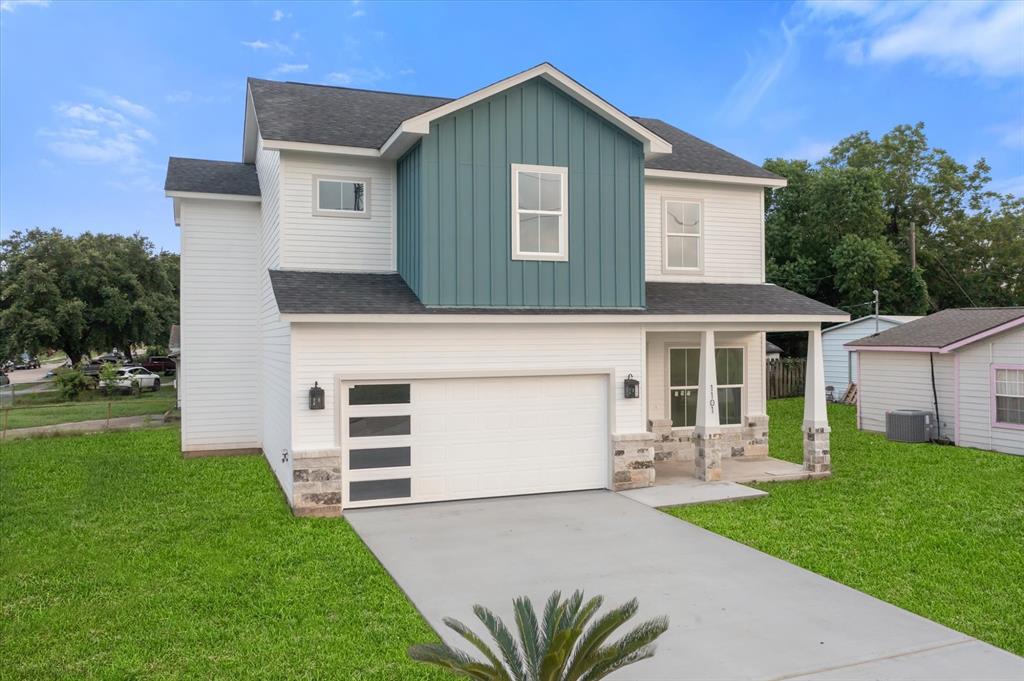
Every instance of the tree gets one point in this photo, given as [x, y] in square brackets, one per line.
[568, 644]
[83, 293]
[873, 209]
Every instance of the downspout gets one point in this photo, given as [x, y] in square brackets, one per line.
[935, 399]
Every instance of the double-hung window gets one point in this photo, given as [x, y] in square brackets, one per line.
[684, 367]
[683, 234]
[341, 197]
[1009, 396]
[540, 212]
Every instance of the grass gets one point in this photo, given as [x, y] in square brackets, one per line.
[46, 408]
[936, 530]
[119, 559]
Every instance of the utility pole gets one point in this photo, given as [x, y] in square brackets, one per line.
[876, 309]
[913, 246]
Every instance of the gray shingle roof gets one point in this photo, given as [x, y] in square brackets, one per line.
[942, 328]
[694, 155]
[340, 116]
[211, 177]
[302, 292]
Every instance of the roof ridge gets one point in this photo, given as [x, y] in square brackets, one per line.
[344, 87]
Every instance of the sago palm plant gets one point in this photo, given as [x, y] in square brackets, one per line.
[569, 643]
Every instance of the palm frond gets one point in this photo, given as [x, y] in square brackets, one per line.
[455, 661]
[465, 632]
[552, 613]
[529, 634]
[596, 635]
[503, 637]
[636, 645]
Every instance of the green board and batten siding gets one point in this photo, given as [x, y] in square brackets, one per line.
[454, 213]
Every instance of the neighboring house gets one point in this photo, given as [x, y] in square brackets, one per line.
[517, 291]
[976, 357]
[772, 351]
[840, 361]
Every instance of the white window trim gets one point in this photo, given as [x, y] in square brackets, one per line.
[669, 387]
[327, 212]
[665, 236]
[563, 224]
[996, 423]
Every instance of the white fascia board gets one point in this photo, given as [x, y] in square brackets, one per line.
[250, 129]
[754, 321]
[420, 125]
[710, 177]
[211, 196]
[284, 145]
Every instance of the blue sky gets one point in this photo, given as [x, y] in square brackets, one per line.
[95, 96]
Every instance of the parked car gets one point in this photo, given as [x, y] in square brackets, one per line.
[127, 375]
[157, 365]
[27, 362]
[92, 368]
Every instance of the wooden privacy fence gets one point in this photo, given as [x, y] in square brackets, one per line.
[786, 377]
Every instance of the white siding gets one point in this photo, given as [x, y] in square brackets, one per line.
[326, 352]
[219, 324]
[314, 242]
[733, 230]
[902, 380]
[274, 334]
[976, 360]
[840, 363]
[658, 368]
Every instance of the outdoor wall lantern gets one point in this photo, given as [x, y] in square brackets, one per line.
[316, 396]
[631, 387]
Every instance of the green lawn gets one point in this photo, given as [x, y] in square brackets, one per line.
[46, 408]
[936, 530]
[119, 559]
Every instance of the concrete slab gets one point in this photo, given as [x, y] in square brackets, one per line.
[735, 613]
[692, 491]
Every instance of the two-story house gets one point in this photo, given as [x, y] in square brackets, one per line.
[403, 299]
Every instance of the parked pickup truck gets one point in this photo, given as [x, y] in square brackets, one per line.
[158, 365]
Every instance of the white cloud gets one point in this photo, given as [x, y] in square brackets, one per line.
[760, 76]
[810, 150]
[179, 97]
[358, 11]
[257, 45]
[1011, 135]
[280, 14]
[88, 132]
[957, 37]
[358, 76]
[289, 68]
[12, 5]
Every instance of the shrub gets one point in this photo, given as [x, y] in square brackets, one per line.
[71, 383]
[108, 376]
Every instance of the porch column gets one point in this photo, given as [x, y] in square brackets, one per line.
[707, 433]
[817, 458]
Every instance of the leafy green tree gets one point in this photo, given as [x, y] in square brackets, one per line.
[902, 200]
[78, 294]
[568, 644]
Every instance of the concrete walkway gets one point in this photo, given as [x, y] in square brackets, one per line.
[735, 612]
[77, 427]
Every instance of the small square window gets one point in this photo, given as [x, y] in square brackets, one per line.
[341, 197]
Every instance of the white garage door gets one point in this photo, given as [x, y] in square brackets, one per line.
[463, 438]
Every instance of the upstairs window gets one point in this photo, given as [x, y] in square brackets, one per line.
[341, 197]
[540, 213]
[683, 233]
[1009, 396]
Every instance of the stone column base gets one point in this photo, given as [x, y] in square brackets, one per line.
[633, 461]
[817, 458]
[316, 483]
[707, 465]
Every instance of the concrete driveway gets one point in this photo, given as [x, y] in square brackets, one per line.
[735, 613]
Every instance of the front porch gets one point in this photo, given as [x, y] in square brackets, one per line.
[707, 419]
